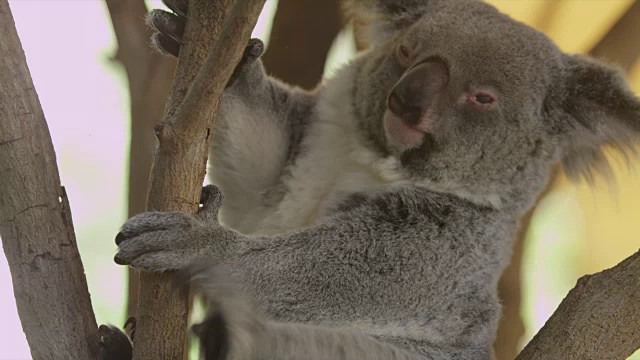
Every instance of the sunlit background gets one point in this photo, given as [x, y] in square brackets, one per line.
[576, 230]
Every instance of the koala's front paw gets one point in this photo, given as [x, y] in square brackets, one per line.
[160, 241]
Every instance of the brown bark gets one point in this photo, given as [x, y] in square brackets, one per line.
[599, 318]
[184, 137]
[149, 75]
[35, 218]
[302, 34]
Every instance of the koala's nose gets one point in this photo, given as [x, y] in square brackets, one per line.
[417, 90]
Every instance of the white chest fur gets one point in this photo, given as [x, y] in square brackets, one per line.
[334, 163]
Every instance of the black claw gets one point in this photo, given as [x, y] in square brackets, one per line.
[114, 344]
[118, 260]
[166, 45]
[119, 238]
[168, 24]
[130, 327]
[177, 6]
[214, 338]
[130, 321]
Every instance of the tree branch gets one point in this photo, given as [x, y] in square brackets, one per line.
[620, 45]
[180, 158]
[599, 318]
[35, 219]
[149, 76]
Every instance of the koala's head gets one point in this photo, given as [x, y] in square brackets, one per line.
[472, 101]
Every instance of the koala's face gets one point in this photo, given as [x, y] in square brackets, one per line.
[468, 98]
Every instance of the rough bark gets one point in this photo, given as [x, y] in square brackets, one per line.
[302, 34]
[149, 76]
[206, 62]
[35, 218]
[599, 318]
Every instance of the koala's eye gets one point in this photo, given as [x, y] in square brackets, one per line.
[404, 55]
[481, 100]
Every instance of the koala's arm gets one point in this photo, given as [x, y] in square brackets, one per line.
[260, 122]
[376, 265]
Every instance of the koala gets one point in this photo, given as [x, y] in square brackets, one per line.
[372, 217]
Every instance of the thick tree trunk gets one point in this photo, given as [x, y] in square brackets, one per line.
[599, 318]
[620, 46]
[35, 218]
[181, 155]
[302, 34]
[149, 75]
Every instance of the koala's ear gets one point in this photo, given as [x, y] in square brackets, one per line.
[382, 19]
[596, 108]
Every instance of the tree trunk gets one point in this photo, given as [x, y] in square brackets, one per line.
[620, 46]
[149, 75]
[35, 218]
[303, 32]
[180, 158]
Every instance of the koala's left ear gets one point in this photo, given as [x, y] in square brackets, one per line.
[596, 108]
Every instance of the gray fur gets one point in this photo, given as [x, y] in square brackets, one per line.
[402, 269]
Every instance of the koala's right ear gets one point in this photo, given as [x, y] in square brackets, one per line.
[382, 19]
[597, 108]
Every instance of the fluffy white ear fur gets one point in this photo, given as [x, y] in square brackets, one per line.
[381, 19]
[597, 108]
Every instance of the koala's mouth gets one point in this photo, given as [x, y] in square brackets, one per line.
[403, 135]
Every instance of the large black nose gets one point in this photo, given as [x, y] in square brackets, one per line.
[417, 90]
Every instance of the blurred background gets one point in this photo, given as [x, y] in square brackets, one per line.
[102, 89]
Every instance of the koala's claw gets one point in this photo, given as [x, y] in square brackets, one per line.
[114, 344]
[177, 6]
[211, 199]
[160, 241]
[213, 336]
[130, 327]
[170, 30]
[167, 24]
